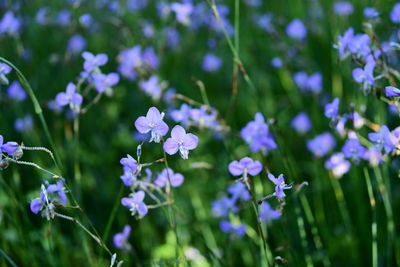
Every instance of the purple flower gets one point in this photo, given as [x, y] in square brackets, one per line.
[93, 61]
[267, 213]
[296, 29]
[181, 141]
[382, 139]
[16, 92]
[4, 69]
[151, 87]
[245, 166]
[135, 204]
[321, 144]
[301, 123]
[64, 17]
[370, 13]
[276, 62]
[181, 115]
[345, 41]
[365, 75]
[338, 165]
[120, 239]
[211, 62]
[332, 109]
[85, 20]
[10, 147]
[69, 97]
[59, 189]
[264, 21]
[343, 8]
[395, 14]
[131, 170]
[280, 185]
[153, 122]
[76, 44]
[353, 149]
[36, 205]
[391, 91]
[182, 11]
[239, 191]
[175, 179]
[104, 82]
[222, 207]
[228, 228]
[312, 83]
[23, 124]
[256, 134]
[9, 24]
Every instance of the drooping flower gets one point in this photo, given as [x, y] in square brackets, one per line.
[180, 141]
[392, 91]
[267, 213]
[245, 166]
[280, 185]
[120, 240]
[135, 204]
[153, 123]
[175, 179]
[382, 139]
[23, 124]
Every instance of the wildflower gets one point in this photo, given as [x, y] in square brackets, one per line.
[136, 204]
[374, 156]
[211, 62]
[151, 87]
[338, 165]
[395, 14]
[321, 144]
[222, 207]
[276, 62]
[175, 179]
[16, 92]
[181, 115]
[76, 44]
[366, 75]
[9, 24]
[345, 41]
[332, 109]
[93, 61]
[382, 139]
[182, 11]
[343, 8]
[59, 189]
[267, 213]
[121, 239]
[296, 29]
[301, 123]
[9, 148]
[181, 141]
[69, 97]
[256, 134]
[4, 70]
[153, 122]
[228, 228]
[239, 191]
[370, 13]
[245, 166]
[353, 149]
[308, 84]
[392, 91]
[280, 185]
[104, 82]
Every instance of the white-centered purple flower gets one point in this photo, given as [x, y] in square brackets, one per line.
[153, 123]
[104, 82]
[93, 61]
[245, 166]
[175, 179]
[135, 204]
[332, 109]
[321, 144]
[69, 97]
[337, 165]
[382, 139]
[180, 141]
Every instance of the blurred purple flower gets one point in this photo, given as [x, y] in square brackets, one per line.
[301, 123]
[175, 179]
[16, 92]
[93, 61]
[69, 97]
[343, 8]
[120, 239]
[230, 228]
[332, 109]
[267, 213]
[245, 166]
[338, 165]
[76, 44]
[395, 14]
[182, 11]
[382, 139]
[104, 82]
[151, 87]
[296, 29]
[239, 191]
[370, 13]
[136, 204]
[391, 91]
[321, 144]
[9, 24]
[23, 124]
[211, 62]
[353, 149]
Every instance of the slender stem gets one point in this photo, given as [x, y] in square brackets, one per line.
[374, 231]
[31, 164]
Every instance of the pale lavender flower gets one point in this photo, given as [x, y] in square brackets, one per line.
[229, 228]
[182, 11]
[86, 20]
[392, 91]
[76, 44]
[395, 14]
[69, 97]
[135, 204]
[23, 124]
[9, 24]
[58, 189]
[222, 207]
[64, 17]
[332, 109]
[180, 141]
[245, 166]
[366, 75]
[153, 122]
[151, 87]
[382, 139]
[338, 165]
[343, 8]
[276, 62]
[175, 179]
[239, 191]
[104, 82]
[181, 115]
[353, 149]
[370, 13]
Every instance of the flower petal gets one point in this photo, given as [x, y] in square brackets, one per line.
[178, 132]
[142, 125]
[190, 141]
[235, 168]
[171, 146]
